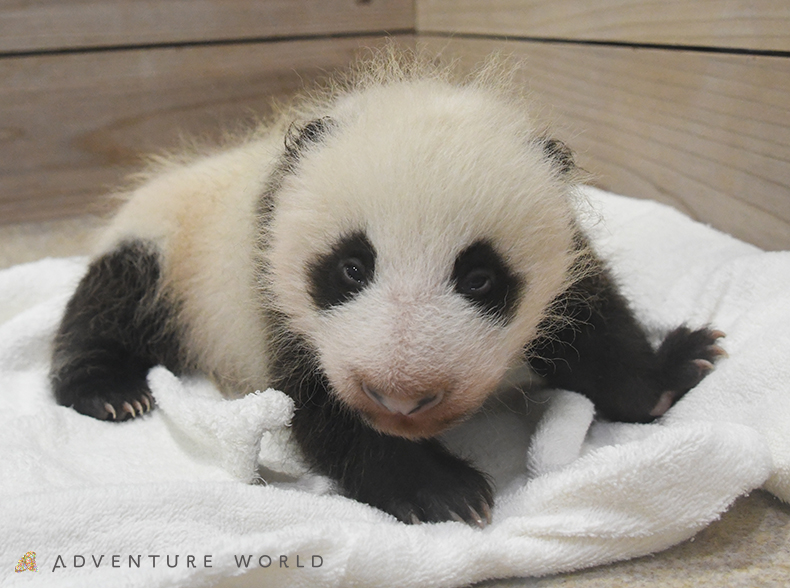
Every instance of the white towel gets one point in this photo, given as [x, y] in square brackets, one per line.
[166, 499]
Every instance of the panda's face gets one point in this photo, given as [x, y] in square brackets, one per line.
[416, 248]
[413, 348]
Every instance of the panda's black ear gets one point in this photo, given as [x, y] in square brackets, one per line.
[559, 154]
[300, 135]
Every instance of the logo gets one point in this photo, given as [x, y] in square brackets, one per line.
[27, 562]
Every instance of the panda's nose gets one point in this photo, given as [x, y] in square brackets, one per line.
[405, 405]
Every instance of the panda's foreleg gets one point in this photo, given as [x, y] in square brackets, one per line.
[116, 326]
[414, 480]
[602, 352]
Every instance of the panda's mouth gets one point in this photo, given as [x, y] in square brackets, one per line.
[412, 418]
[409, 427]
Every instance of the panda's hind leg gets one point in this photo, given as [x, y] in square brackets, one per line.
[117, 325]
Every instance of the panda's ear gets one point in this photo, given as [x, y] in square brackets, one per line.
[559, 154]
[300, 135]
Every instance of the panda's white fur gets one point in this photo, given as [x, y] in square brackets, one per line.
[424, 166]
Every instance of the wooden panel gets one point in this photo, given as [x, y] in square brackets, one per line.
[44, 24]
[72, 125]
[746, 24]
[708, 133]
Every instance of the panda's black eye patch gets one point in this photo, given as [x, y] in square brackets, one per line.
[481, 276]
[336, 277]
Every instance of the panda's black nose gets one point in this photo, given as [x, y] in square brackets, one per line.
[401, 404]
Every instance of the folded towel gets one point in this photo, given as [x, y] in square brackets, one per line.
[205, 491]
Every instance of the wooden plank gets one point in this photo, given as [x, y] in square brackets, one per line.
[42, 24]
[73, 125]
[744, 24]
[707, 133]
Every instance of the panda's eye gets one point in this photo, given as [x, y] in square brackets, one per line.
[340, 274]
[483, 278]
[477, 283]
[353, 272]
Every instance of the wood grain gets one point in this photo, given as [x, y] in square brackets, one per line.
[744, 24]
[73, 125]
[43, 24]
[707, 133]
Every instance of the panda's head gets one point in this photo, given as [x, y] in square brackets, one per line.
[418, 234]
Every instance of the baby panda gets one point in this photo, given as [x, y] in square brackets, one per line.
[383, 253]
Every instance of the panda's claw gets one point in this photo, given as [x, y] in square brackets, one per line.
[476, 518]
[128, 408]
[456, 517]
[487, 513]
[665, 402]
[704, 365]
[718, 351]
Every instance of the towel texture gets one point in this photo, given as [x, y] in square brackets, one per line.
[205, 491]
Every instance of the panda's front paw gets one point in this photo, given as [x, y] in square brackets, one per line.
[464, 497]
[435, 487]
[686, 357]
[120, 404]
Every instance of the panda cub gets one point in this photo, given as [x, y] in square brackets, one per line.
[383, 253]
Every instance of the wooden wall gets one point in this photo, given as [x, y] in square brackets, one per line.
[88, 86]
[46, 25]
[707, 133]
[732, 24]
[684, 102]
